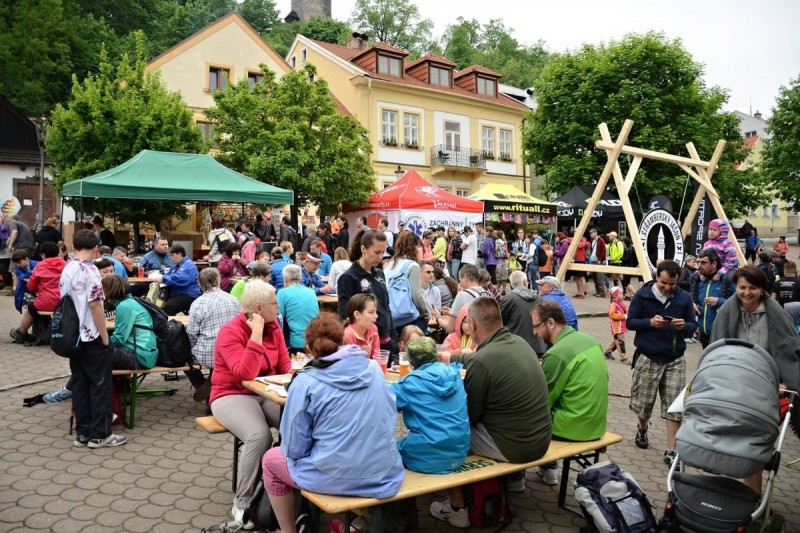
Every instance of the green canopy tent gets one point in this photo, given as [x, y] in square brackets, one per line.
[151, 175]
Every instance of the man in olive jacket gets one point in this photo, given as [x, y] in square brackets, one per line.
[577, 381]
[506, 402]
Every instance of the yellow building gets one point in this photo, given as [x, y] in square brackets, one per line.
[454, 127]
[227, 51]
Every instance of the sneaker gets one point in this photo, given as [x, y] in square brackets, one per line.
[238, 516]
[443, 511]
[669, 456]
[17, 336]
[641, 438]
[80, 441]
[58, 396]
[517, 485]
[625, 362]
[608, 356]
[202, 392]
[549, 475]
[110, 441]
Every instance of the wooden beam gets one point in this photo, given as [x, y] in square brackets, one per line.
[687, 222]
[628, 182]
[650, 154]
[580, 267]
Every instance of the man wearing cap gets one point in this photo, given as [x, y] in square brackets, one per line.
[550, 290]
[577, 381]
[469, 247]
[310, 278]
[315, 247]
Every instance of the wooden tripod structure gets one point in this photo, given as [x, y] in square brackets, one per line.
[699, 170]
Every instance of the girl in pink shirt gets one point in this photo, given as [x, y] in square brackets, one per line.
[362, 312]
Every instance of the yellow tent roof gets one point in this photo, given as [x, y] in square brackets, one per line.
[507, 198]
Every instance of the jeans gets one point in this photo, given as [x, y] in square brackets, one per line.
[91, 390]
[533, 275]
[455, 264]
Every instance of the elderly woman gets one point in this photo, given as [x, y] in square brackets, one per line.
[181, 280]
[212, 310]
[298, 304]
[752, 315]
[133, 343]
[316, 454]
[248, 346]
[231, 266]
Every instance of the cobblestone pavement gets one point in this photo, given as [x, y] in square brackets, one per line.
[172, 477]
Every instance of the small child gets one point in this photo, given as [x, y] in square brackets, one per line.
[485, 279]
[408, 334]
[460, 341]
[513, 264]
[362, 312]
[618, 313]
[718, 241]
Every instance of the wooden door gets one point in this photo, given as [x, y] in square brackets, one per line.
[28, 195]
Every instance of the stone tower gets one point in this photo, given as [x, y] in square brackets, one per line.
[308, 9]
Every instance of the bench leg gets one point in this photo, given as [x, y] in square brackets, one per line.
[236, 445]
[583, 460]
[315, 518]
[380, 516]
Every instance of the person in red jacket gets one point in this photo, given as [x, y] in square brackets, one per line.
[44, 283]
[249, 346]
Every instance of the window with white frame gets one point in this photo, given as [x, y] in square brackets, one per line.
[487, 141]
[765, 212]
[487, 86]
[452, 135]
[303, 55]
[462, 192]
[440, 76]
[411, 130]
[293, 61]
[389, 127]
[389, 65]
[776, 211]
[505, 145]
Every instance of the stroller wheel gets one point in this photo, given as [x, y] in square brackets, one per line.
[777, 524]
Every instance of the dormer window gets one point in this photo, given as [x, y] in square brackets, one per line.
[391, 66]
[487, 87]
[440, 76]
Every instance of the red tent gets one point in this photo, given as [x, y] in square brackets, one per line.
[419, 204]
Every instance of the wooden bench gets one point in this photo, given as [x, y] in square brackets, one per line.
[476, 468]
[135, 378]
[211, 425]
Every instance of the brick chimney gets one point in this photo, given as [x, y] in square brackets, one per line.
[758, 115]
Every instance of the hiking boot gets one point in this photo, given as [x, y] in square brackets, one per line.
[58, 396]
[17, 336]
[549, 475]
[641, 438]
[669, 456]
[110, 441]
[443, 511]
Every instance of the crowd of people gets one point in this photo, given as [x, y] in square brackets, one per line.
[494, 308]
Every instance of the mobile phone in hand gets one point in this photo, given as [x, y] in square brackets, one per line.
[667, 318]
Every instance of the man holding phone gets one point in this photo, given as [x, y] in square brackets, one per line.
[662, 315]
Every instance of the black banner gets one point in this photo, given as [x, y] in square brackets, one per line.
[699, 233]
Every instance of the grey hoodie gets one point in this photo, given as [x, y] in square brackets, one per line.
[515, 308]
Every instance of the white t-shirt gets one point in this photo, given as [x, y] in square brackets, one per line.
[389, 242]
[82, 280]
[470, 253]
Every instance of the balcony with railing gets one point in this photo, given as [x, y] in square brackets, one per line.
[445, 157]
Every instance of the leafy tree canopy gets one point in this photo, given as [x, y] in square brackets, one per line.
[326, 30]
[395, 22]
[289, 133]
[110, 117]
[653, 81]
[781, 158]
[492, 45]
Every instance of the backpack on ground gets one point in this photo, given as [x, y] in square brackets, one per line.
[65, 326]
[612, 501]
[401, 303]
[487, 502]
[730, 419]
[174, 349]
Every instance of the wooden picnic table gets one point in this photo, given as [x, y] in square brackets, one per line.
[263, 390]
[183, 319]
[137, 279]
[328, 302]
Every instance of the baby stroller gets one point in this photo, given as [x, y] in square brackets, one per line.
[731, 429]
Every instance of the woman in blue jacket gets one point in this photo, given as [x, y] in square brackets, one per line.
[434, 405]
[181, 282]
[337, 428]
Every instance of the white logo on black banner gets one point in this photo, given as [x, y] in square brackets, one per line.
[661, 237]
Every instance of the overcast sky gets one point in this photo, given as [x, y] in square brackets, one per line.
[751, 48]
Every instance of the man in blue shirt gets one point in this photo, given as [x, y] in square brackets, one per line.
[310, 279]
[157, 258]
[181, 282]
[315, 247]
[708, 295]
[119, 268]
[550, 290]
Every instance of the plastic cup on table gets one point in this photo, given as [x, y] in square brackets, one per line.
[141, 272]
[404, 366]
[383, 360]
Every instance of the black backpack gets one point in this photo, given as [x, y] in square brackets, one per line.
[158, 315]
[174, 349]
[541, 256]
[65, 328]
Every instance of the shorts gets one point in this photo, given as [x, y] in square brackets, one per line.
[501, 273]
[666, 380]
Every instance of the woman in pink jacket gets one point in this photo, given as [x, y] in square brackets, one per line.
[249, 346]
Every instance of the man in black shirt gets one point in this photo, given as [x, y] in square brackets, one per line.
[787, 289]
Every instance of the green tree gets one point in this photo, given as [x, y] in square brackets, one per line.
[653, 81]
[493, 46]
[110, 117]
[326, 30]
[289, 133]
[781, 158]
[395, 22]
[262, 15]
[177, 20]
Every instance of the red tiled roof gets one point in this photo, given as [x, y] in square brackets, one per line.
[340, 108]
[478, 68]
[349, 53]
[750, 141]
[431, 57]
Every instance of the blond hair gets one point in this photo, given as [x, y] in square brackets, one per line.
[256, 292]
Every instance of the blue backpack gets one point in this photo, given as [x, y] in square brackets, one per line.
[401, 303]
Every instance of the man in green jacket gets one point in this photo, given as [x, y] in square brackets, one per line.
[506, 402]
[577, 381]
